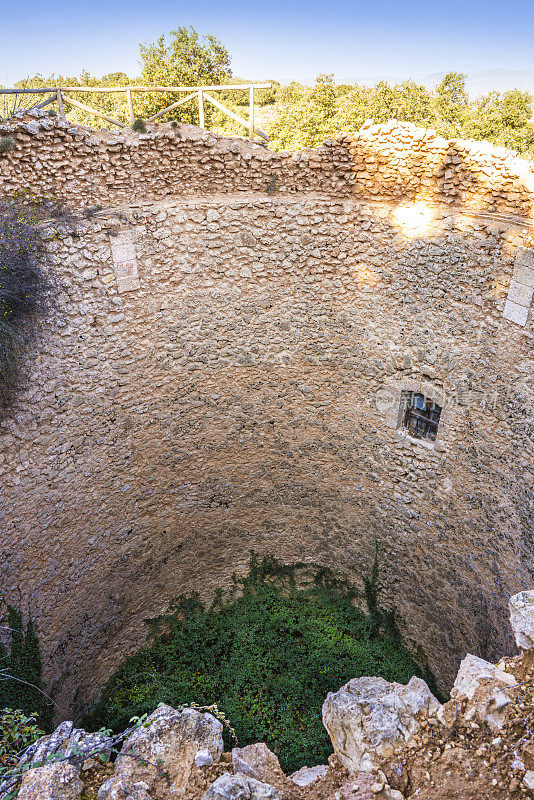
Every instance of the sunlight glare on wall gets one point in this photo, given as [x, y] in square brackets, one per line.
[413, 220]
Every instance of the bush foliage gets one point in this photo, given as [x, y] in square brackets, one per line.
[267, 655]
[307, 115]
[21, 668]
[17, 731]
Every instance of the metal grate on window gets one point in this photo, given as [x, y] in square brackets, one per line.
[420, 416]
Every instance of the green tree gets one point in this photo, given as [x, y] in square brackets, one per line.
[504, 119]
[451, 103]
[183, 59]
[306, 115]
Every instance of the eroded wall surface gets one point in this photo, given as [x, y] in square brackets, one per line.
[223, 373]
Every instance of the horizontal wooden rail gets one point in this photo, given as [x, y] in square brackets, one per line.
[59, 95]
[134, 88]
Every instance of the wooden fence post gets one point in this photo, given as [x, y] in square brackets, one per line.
[130, 105]
[251, 113]
[201, 108]
[60, 103]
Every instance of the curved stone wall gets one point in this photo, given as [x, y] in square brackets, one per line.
[224, 373]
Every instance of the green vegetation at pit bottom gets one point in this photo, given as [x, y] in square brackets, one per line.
[267, 655]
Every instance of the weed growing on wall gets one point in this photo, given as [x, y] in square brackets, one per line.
[24, 289]
[21, 668]
[139, 125]
[267, 654]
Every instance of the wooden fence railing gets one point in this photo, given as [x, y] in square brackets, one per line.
[58, 94]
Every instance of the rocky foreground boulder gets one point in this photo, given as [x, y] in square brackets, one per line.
[258, 762]
[66, 741]
[162, 754]
[240, 787]
[307, 775]
[481, 692]
[391, 742]
[60, 781]
[522, 619]
[370, 719]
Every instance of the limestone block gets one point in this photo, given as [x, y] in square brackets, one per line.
[307, 775]
[515, 313]
[170, 742]
[125, 261]
[369, 718]
[66, 741]
[486, 689]
[528, 780]
[520, 294]
[522, 619]
[239, 787]
[257, 761]
[117, 789]
[525, 258]
[58, 781]
[204, 758]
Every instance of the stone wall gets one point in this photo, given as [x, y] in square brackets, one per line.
[223, 373]
[392, 161]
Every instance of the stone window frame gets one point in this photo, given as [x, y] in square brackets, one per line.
[395, 407]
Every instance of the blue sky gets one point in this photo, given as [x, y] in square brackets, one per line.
[282, 39]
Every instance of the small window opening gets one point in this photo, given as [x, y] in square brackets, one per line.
[419, 416]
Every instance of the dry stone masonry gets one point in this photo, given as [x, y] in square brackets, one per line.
[227, 368]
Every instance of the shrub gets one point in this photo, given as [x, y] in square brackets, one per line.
[17, 732]
[267, 655]
[21, 669]
[139, 125]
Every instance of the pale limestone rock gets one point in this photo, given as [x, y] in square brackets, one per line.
[522, 619]
[528, 779]
[258, 762]
[485, 687]
[170, 743]
[368, 718]
[307, 775]
[120, 790]
[204, 758]
[392, 794]
[58, 781]
[239, 787]
[472, 670]
[66, 740]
